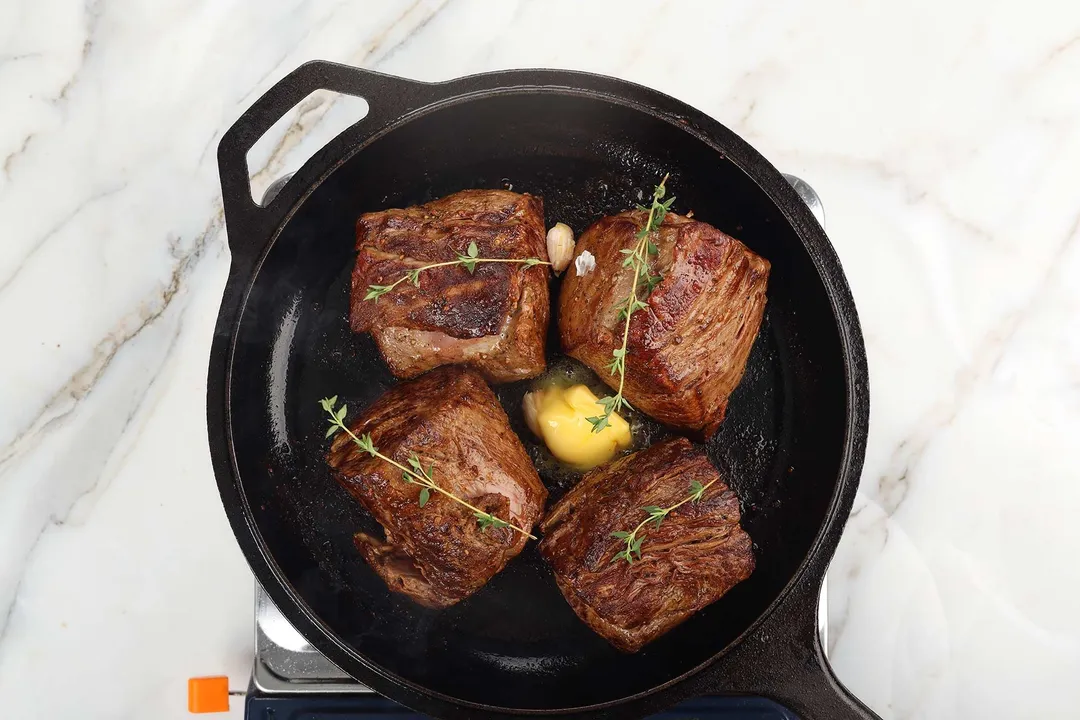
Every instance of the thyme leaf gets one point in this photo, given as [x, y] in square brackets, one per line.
[644, 281]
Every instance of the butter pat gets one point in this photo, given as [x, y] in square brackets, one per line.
[558, 416]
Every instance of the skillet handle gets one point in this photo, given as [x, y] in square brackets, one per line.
[250, 225]
[783, 660]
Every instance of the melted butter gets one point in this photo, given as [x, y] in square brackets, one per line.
[559, 415]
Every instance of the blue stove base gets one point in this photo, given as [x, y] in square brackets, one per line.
[342, 707]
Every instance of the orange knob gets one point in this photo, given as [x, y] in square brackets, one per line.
[208, 694]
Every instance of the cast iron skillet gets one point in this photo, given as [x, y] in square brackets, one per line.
[792, 444]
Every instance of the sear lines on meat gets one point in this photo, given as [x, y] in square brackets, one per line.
[686, 353]
[494, 319]
[437, 554]
[697, 554]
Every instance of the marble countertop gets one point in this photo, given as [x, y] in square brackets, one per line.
[944, 139]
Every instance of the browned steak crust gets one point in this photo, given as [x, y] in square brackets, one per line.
[688, 350]
[437, 554]
[698, 553]
[494, 320]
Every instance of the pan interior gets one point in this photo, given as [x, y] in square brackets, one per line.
[516, 643]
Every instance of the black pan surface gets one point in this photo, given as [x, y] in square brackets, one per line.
[791, 444]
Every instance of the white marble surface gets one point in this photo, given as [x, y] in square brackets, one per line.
[944, 139]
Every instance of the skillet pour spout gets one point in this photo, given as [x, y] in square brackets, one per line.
[792, 443]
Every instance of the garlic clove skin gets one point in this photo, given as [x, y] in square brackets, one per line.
[560, 246]
[584, 264]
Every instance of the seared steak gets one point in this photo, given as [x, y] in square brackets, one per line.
[494, 319]
[687, 351]
[438, 554]
[697, 554]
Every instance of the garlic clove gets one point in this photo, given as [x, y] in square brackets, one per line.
[530, 406]
[560, 246]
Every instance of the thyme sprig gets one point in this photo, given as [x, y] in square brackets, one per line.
[632, 541]
[468, 260]
[416, 473]
[644, 280]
